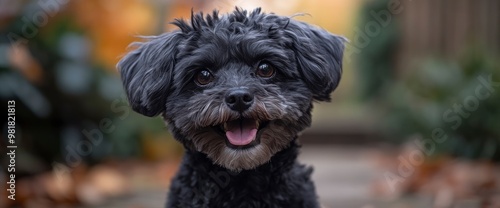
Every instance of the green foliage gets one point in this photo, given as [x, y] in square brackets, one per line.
[72, 94]
[453, 96]
[374, 61]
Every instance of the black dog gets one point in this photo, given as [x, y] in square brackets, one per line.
[236, 90]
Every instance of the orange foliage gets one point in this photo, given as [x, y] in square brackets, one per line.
[112, 25]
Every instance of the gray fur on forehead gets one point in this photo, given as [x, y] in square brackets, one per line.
[240, 21]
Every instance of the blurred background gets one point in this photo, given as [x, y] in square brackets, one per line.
[415, 121]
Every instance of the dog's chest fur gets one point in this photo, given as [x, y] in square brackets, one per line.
[280, 183]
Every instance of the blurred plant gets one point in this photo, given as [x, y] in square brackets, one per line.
[444, 94]
[62, 89]
[375, 60]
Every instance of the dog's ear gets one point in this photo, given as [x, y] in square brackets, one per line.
[319, 57]
[147, 72]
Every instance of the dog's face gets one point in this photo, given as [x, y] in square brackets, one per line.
[237, 87]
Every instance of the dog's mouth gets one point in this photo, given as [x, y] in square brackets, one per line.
[241, 133]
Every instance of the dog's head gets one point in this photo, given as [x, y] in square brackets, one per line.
[237, 87]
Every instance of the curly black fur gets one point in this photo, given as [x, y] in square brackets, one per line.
[159, 77]
[280, 183]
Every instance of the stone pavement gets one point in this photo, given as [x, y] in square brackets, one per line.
[343, 176]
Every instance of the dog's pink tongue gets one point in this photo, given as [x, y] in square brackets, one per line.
[241, 132]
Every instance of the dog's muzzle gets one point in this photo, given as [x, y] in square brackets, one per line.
[240, 132]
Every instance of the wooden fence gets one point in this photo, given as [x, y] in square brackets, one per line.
[447, 27]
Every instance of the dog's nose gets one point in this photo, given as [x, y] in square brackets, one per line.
[239, 99]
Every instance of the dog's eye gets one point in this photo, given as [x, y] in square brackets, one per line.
[204, 77]
[265, 70]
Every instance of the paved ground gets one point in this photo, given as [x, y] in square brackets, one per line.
[343, 175]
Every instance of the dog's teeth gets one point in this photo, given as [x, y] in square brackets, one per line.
[225, 126]
[257, 124]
